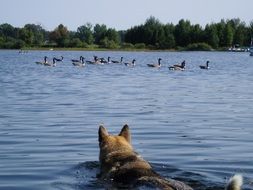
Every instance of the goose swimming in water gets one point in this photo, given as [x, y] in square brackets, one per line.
[76, 60]
[157, 65]
[130, 64]
[80, 63]
[42, 63]
[103, 60]
[205, 66]
[50, 64]
[109, 60]
[56, 59]
[96, 61]
[180, 67]
[115, 61]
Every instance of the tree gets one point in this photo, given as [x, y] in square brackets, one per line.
[135, 35]
[211, 35]
[37, 32]
[240, 35]
[228, 35]
[84, 32]
[99, 32]
[169, 41]
[112, 35]
[196, 33]
[7, 30]
[152, 29]
[60, 35]
[76, 42]
[26, 35]
[251, 28]
[220, 31]
[182, 33]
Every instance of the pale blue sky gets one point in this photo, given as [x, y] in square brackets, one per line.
[120, 14]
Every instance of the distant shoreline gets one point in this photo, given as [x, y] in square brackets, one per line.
[116, 50]
[23, 50]
[104, 49]
[150, 36]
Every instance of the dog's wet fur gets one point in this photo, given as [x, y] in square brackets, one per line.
[120, 164]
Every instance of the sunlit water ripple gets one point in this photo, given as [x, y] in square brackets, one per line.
[194, 125]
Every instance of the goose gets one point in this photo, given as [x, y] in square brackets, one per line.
[157, 65]
[80, 63]
[115, 61]
[204, 66]
[42, 63]
[91, 62]
[96, 61]
[109, 60]
[51, 64]
[76, 60]
[130, 64]
[178, 67]
[102, 60]
[56, 59]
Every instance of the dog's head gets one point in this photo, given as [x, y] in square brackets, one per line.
[110, 143]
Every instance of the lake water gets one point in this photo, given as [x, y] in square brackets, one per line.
[193, 125]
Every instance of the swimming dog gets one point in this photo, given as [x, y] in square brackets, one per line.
[120, 164]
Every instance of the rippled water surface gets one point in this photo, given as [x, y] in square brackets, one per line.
[193, 125]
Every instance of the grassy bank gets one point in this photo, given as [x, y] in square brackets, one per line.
[191, 47]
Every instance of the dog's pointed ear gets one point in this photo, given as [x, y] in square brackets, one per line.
[125, 132]
[102, 133]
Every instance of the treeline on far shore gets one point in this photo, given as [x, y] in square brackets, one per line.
[152, 35]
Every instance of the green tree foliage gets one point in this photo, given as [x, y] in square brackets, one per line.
[113, 35]
[85, 33]
[196, 33]
[7, 30]
[211, 36]
[169, 41]
[99, 33]
[239, 31]
[251, 28]
[60, 36]
[198, 47]
[26, 35]
[228, 35]
[152, 34]
[106, 38]
[183, 33]
[36, 34]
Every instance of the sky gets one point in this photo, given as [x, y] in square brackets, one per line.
[120, 14]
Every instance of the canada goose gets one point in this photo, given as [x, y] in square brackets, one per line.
[56, 59]
[102, 60]
[204, 66]
[76, 60]
[109, 60]
[79, 63]
[91, 62]
[130, 64]
[115, 61]
[178, 67]
[96, 61]
[42, 63]
[50, 64]
[157, 65]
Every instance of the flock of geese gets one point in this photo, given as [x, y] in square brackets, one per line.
[101, 61]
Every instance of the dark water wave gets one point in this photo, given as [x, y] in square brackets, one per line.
[83, 176]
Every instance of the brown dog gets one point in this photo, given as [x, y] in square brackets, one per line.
[120, 164]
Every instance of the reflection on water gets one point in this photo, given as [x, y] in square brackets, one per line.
[194, 125]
